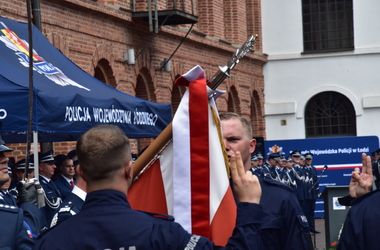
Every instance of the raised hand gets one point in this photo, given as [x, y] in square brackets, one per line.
[246, 185]
[361, 183]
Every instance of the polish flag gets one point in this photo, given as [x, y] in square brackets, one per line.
[189, 180]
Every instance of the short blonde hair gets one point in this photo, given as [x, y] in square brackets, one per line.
[102, 151]
[244, 122]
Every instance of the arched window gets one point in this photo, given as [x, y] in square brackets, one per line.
[144, 86]
[330, 114]
[104, 73]
[233, 104]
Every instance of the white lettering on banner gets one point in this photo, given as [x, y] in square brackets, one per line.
[192, 243]
[145, 118]
[112, 115]
[3, 113]
[77, 114]
[332, 151]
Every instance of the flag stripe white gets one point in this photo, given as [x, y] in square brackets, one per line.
[166, 166]
[181, 165]
[219, 182]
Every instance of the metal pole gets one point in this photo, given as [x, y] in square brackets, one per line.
[30, 108]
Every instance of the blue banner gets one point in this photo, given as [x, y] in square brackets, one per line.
[67, 100]
[340, 154]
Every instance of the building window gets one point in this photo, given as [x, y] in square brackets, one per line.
[330, 114]
[327, 25]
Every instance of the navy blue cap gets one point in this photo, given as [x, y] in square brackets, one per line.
[275, 156]
[289, 159]
[309, 156]
[254, 157]
[259, 156]
[46, 157]
[302, 157]
[296, 153]
[20, 165]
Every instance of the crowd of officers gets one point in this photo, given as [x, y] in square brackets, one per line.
[297, 172]
[36, 213]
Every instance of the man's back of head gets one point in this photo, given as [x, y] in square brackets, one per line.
[102, 152]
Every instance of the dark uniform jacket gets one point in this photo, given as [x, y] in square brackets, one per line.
[63, 186]
[15, 233]
[52, 194]
[69, 207]
[8, 198]
[34, 219]
[361, 228]
[107, 221]
[287, 227]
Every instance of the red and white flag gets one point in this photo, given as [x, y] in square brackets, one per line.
[190, 180]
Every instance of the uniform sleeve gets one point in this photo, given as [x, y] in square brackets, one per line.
[361, 227]
[297, 226]
[24, 238]
[246, 234]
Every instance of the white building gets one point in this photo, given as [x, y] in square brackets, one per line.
[322, 78]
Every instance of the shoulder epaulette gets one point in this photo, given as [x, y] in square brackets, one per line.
[161, 216]
[9, 208]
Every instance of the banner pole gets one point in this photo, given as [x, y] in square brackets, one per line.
[152, 150]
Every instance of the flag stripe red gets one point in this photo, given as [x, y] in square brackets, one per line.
[199, 158]
[148, 192]
[223, 222]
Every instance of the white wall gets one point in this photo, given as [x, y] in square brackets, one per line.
[291, 78]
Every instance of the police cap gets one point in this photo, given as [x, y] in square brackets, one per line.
[46, 157]
[20, 165]
[275, 156]
[259, 156]
[308, 156]
[296, 153]
[254, 157]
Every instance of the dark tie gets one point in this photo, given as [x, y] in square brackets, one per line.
[72, 184]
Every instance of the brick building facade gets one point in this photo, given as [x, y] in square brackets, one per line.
[96, 34]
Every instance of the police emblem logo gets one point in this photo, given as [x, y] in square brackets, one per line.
[21, 49]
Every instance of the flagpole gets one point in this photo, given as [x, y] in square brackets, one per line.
[166, 135]
[30, 107]
[152, 150]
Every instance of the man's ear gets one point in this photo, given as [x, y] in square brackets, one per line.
[252, 146]
[79, 170]
[129, 170]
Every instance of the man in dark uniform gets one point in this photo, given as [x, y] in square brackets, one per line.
[271, 168]
[20, 170]
[75, 199]
[361, 227]
[299, 176]
[313, 191]
[14, 233]
[7, 194]
[107, 221]
[288, 171]
[287, 227]
[52, 195]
